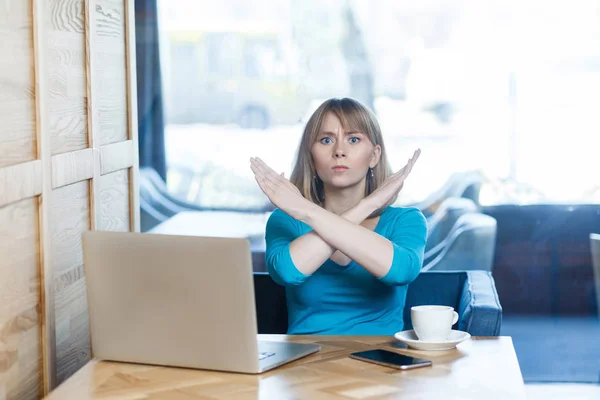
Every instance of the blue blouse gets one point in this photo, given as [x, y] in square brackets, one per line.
[347, 300]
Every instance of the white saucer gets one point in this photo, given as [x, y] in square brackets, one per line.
[410, 338]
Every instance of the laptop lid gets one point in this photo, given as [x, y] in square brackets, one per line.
[171, 300]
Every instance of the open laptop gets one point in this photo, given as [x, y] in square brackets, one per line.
[182, 301]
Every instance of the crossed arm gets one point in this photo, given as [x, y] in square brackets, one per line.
[344, 233]
[331, 232]
[406, 231]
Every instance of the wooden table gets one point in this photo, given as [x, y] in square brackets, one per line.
[482, 368]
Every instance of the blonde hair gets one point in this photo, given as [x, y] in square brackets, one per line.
[354, 117]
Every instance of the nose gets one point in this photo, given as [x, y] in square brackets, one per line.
[339, 152]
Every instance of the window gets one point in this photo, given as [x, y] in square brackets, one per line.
[507, 89]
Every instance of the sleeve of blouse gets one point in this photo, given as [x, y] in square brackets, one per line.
[408, 237]
[280, 232]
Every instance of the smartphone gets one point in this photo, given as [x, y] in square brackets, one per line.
[390, 359]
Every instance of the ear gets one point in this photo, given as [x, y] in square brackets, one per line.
[375, 156]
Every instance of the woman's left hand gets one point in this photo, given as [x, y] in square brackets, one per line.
[282, 193]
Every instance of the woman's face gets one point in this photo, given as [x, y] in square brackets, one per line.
[342, 159]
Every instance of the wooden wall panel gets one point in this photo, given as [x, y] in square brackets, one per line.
[17, 107]
[20, 348]
[115, 157]
[70, 216]
[109, 70]
[73, 349]
[20, 181]
[113, 202]
[67, 100]
[132, 115]
[72, 167]
[41, 54]
[68, 163]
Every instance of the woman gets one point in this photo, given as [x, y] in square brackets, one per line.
[343, 253]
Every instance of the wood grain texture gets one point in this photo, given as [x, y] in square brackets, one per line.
[72, 167]
[483, 368]
[132, 114]
[66, 75]
[20, 347]
[45, 104]
[112, 202]
[93, 126]
[116, 156]
[17, 107]
[20, 181]
[70, 217]
[44, 152]
[108, 70]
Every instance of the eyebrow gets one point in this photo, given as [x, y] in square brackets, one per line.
[347, 133]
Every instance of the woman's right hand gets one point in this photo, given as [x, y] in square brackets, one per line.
[392, 185]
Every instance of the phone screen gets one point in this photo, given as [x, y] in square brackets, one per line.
[390, 358]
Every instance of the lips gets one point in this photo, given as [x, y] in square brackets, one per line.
[340, 168]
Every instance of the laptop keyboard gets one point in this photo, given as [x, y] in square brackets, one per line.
[264, 354]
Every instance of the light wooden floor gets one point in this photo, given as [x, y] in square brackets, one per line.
[553, 391]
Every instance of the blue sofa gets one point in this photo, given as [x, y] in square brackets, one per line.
[472, 294]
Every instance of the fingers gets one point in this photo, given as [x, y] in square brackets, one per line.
[411, 161]
[262, 181]
[416, 155]
[265, 185]
[258, 166]
[414, 159]
[270, 182]
[261, 174]
[401, 171]
[405, 171]
[263, 167]
[399, 177]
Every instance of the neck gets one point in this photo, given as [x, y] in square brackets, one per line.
[338, 201]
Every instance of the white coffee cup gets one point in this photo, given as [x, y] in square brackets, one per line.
[433, 323]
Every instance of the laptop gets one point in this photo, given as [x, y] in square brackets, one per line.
[183, 301]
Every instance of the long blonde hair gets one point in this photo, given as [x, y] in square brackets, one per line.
[354, 117]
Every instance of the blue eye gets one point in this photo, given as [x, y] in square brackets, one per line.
[354, 140]
[325, 140]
